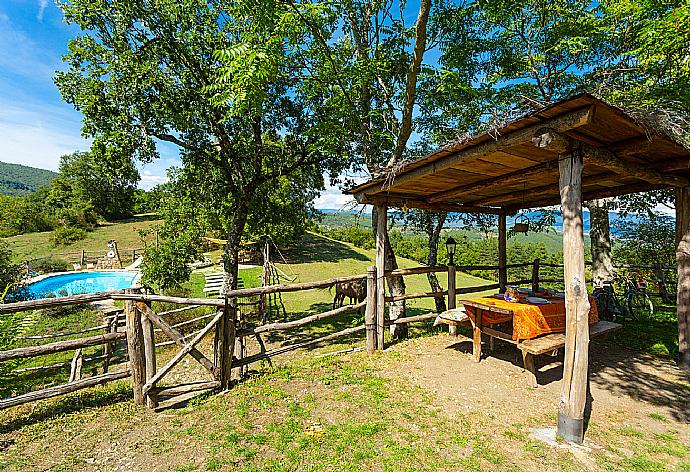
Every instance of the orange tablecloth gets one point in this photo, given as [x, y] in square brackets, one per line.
[529, 321]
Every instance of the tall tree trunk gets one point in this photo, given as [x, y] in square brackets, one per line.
[436, 222]
[396, 285]
[600, 241]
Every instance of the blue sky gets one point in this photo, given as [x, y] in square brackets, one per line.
[36, 125]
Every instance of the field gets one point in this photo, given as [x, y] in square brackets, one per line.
[422, 404]
[35, 245]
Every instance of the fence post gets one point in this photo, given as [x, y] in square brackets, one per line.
[225, 342]
[135, 348]
[452, 329]
[150, 353]
[370, 314]
[82, 258]
[535, 275]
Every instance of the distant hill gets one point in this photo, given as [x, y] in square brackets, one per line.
[16, 179]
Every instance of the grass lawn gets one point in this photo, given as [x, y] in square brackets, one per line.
[35, 245]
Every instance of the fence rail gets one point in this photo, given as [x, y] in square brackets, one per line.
[185, 325]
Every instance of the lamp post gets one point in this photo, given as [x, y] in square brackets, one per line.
[450, 249]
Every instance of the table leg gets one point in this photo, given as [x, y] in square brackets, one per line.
[528, 363]
[452, 330]
[477, 338]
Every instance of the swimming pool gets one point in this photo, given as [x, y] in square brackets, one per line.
[73, 283]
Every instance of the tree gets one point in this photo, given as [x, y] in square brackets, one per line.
[105, 182]
[11, 274]
[225, 82]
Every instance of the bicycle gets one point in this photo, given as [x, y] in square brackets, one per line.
[634, 301]
[639, 304]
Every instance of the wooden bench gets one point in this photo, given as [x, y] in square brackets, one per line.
[552, 342]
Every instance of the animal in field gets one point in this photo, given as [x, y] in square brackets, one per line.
[356, 290]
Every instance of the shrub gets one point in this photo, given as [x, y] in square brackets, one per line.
[11, 273]
[64, 235]
[49, 264]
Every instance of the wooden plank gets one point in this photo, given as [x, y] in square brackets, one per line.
[150, 353]
[299, 322]
[183, 352]
[551, 342]
[482, 306]
[411, 296]
[482, 146]
[180, 389]
[59, 346]
[62, 389]
[530, 368]
[175, 335]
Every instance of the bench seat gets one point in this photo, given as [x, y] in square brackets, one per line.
[552, 342]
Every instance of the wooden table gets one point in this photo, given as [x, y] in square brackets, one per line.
[536, 329]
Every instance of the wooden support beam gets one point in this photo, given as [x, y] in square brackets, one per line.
[564, 122]
[544, 190]
[571, 406]
[502, 252]
[150, 353]
[135, 350]
[609, 160]
[591, 195]
[511, 178]
[370, 313]
[381, 274]
[400, 201]
[683, 258]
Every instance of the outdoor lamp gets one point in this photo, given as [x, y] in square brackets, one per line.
[450, 249]
[521, 224]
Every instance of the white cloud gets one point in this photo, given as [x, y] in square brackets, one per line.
[25, 57]
[42, 5]
[333, 199]
[37, 135]
[150, 180]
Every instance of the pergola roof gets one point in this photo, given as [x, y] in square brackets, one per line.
[516, 166]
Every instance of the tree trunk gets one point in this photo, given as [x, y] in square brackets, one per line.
[436, 222]
[683, 258]
[396, 285]
[600, 240]
[574, 387]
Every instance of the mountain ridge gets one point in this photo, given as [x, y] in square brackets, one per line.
[20, 180]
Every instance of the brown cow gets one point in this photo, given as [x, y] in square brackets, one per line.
[354, 289]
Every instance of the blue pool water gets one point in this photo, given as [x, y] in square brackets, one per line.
[80, 282]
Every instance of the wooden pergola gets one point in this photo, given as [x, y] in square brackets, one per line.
[578, 149]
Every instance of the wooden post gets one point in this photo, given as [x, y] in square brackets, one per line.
[108, 348]
[381, 274]
[134, 255]
[135, 349]
[477, 336]
[452, 329]
[571, 406]
[502, 257]
[82, 258]
[683, 258]
[150, 353]
[75, 366]
[370, 313]
[225, 342]
[535, 275]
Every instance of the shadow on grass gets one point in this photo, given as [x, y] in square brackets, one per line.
[99, 397]
[314, 248]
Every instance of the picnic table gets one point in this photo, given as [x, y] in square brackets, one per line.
[534, 328]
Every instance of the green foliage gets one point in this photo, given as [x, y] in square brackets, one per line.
[167, 266]
[11, 274]
[93, 180]
[360, 237]
[147, 201]
[49, 264]
[21, 215]
[64, 235]
[19, 180]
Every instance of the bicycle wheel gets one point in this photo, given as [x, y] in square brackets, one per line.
[640, 306]
[602, 301]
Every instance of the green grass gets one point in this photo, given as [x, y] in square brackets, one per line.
[35, 245]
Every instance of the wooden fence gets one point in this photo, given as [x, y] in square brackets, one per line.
[145, 332]
[82, 257]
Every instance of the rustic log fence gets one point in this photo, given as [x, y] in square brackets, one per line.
[186, 323]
